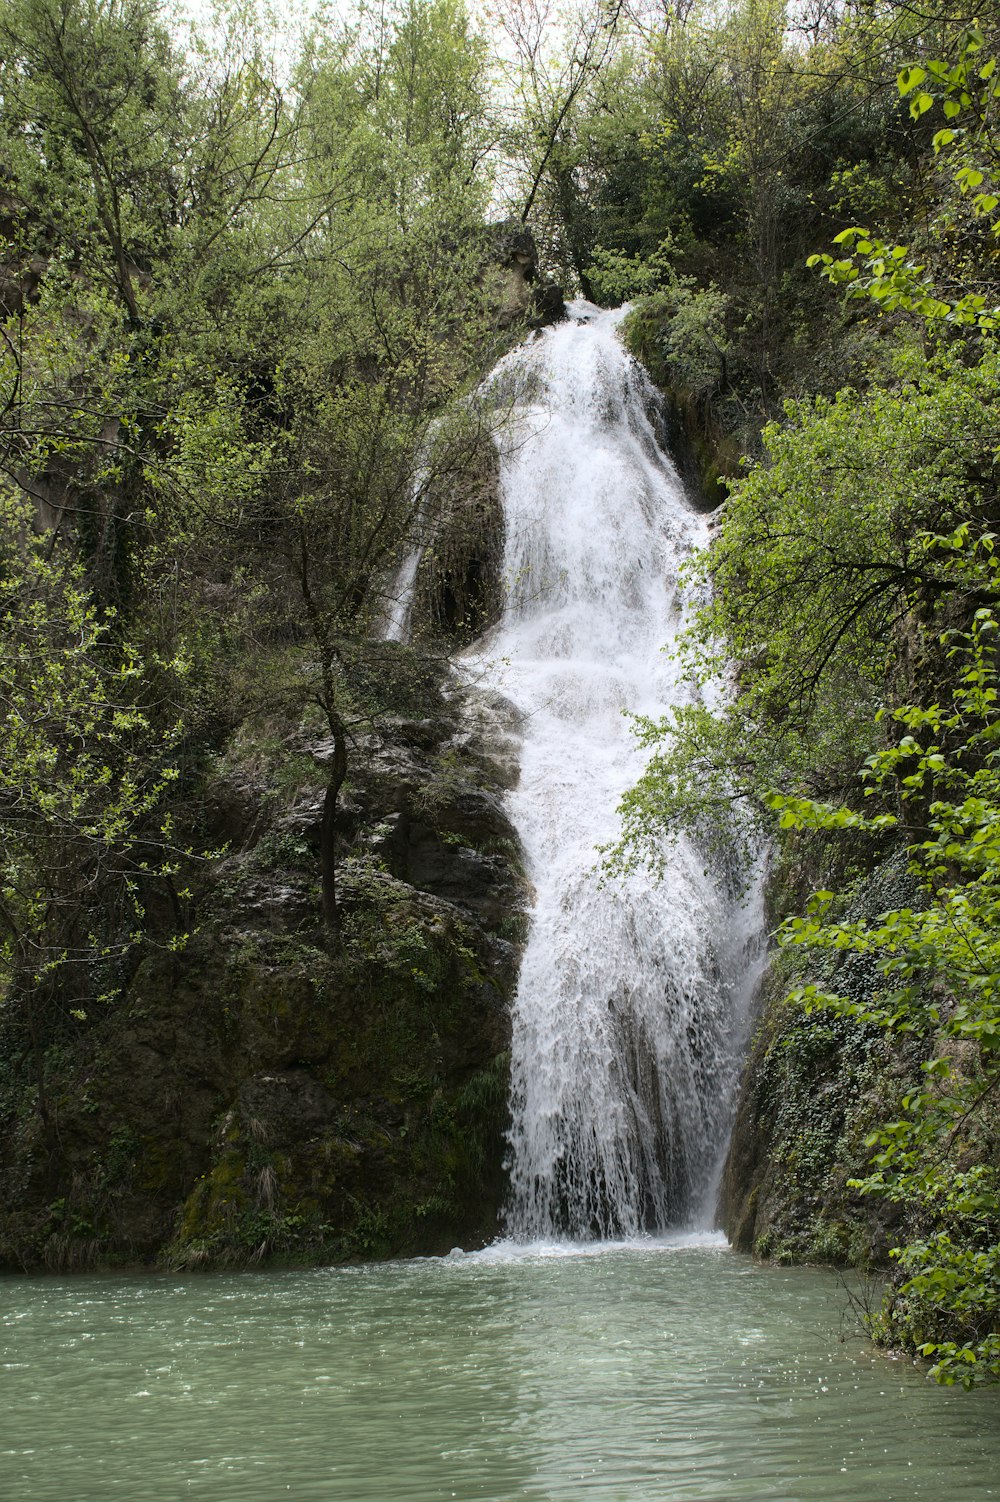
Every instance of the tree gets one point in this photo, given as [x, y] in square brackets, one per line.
[86, 766]
[940, 966]
[958, 288]
[92, 90]
[551, 84]
[381, 433]
[381, 475]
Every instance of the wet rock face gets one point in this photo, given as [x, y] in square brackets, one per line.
[548, 305]
[520, 293]
[268, 1093]
[444, 832]
[813, 1088]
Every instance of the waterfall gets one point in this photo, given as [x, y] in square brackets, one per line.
[629, 1017]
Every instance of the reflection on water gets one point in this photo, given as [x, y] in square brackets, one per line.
[616, 1374]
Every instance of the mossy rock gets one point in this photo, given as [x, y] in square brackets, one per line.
[813, 1088]
[273, 1093]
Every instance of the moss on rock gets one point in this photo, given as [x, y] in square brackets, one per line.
[813, 1089]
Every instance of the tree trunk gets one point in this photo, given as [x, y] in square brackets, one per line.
[328, 828]
[25, 988]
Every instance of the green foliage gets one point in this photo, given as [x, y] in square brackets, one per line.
[822, 554]
[241, 322]
[92, 120]
[960, 288]
[701, 165]
[687, 340]
[939, 965]
[85, 772]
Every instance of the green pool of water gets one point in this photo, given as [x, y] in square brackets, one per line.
[614, 1374]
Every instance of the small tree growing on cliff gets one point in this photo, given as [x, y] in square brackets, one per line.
[376, 477]
[381, 428]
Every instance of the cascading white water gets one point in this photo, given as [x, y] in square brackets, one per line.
[629, 1014]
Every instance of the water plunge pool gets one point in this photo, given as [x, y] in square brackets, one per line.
[664, 1370]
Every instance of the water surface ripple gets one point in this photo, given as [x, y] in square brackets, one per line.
[611, 1373]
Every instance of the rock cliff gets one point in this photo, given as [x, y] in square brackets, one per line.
[269, 1092]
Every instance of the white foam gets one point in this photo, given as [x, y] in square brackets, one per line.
[510, 1252]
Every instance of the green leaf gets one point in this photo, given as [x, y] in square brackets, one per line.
[909, 78]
